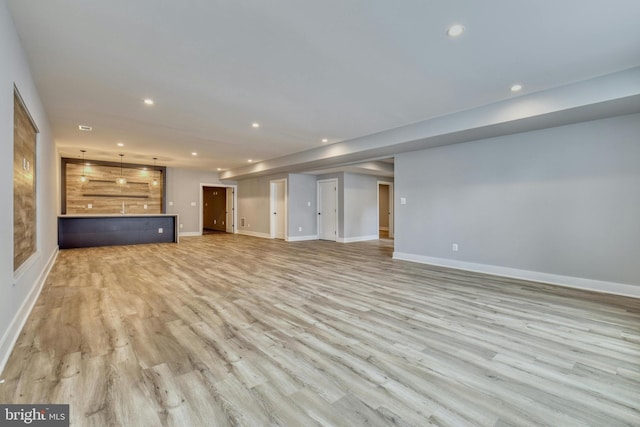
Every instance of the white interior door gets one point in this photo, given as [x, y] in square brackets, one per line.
[278, 209]
[328, 210]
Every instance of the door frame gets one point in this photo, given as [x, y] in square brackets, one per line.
[318, 195]
[272, 204]
[234, 217]
[391, 206]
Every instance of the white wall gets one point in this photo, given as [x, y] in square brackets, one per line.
[183, 188]
[302, 210]
[17, 294]
[360, 207]
[560, 205]
[357, 205]
[254, 205]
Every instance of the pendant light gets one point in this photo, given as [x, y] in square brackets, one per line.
[122, 180]
[83, 177]
[155, 180]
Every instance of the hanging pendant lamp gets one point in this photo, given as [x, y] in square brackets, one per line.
[83, 177]
[121, 180]
[155, 180]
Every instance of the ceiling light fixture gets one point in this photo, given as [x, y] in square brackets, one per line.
[194, 154]
[455, 30]
[83, 177]
[155, 180]
[516, 88]
[85, 128]
[250, 160]
[219, 169]
[121, 180]
[148, 101]
[325, 140]
[255, 125]
[120, 144]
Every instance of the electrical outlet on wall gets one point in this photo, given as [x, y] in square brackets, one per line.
[160, 231]
[454, 247]
[89, 206]
[180, 225]
[145, 206]
[299, 228]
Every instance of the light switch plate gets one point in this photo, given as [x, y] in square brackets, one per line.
[403, 200]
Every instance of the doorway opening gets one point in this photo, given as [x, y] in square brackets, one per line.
[385, 210]
[278, 208]
[218, 214]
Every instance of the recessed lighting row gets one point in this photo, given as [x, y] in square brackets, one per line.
[457, 30]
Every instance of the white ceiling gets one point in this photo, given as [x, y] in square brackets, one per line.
[336, 69]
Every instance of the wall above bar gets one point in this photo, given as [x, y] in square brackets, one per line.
[91, 188]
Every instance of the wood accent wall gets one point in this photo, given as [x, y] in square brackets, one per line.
[100, 194]
[24, 184]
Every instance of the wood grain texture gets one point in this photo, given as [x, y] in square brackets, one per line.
[234, 330]
[24, 184]
[105, 196]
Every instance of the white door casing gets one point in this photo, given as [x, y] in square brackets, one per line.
[391, 205]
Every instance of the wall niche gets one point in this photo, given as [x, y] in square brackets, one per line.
[91, 188]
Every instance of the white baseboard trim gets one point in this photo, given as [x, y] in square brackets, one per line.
[190, 233]
[357, 239]
[255, 234]
[12, 334]
[535, 276]
[301, 238]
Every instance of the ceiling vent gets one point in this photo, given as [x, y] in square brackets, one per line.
[85, 128]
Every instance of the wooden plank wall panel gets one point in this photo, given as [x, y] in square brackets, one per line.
[105, 196]
[24, 184]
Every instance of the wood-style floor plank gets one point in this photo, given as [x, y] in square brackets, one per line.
[228, 330]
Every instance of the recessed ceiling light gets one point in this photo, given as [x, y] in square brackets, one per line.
[148, 101]
[219, 169]
[120, 144]
[85, 128]
[250, 160]
[455, 30]
[194, 154]
[516, 88]
[255, 125]
[325, 140]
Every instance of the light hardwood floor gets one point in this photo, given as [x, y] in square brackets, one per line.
[235, 330]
